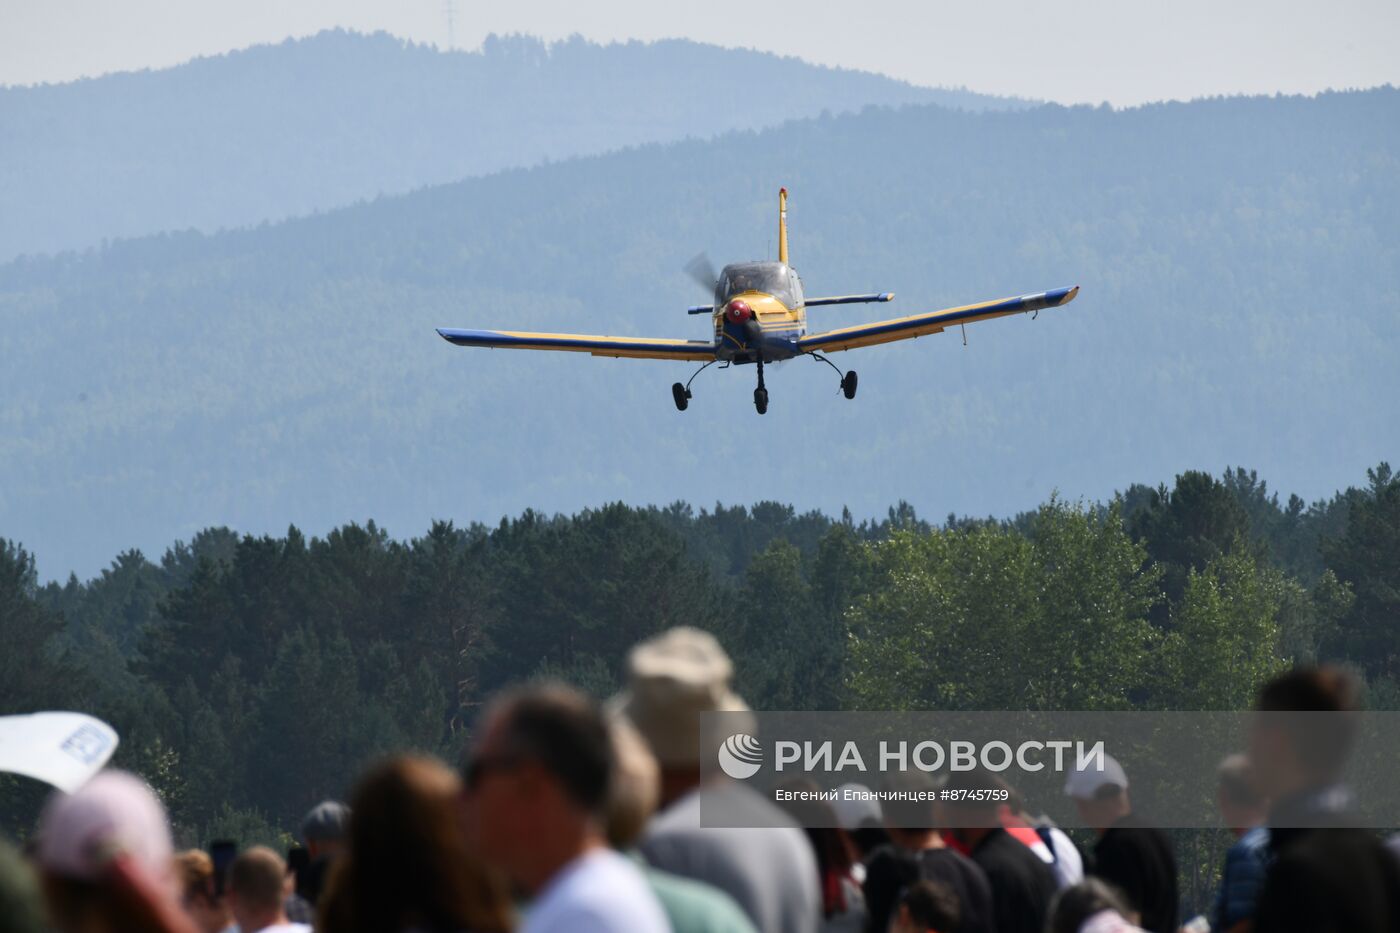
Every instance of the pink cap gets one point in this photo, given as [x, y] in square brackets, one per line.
[114, 814]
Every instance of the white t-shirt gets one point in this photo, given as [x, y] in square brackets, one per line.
[1069, 864]
[598, 892]
[286, 928]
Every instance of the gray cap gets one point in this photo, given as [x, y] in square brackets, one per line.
[325, 822]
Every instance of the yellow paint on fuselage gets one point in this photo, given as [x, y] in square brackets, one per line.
[771, 313]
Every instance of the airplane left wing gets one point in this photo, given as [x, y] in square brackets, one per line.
[648, 348]
[919, 325]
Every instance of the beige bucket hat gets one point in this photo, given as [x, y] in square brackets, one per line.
[671, 680]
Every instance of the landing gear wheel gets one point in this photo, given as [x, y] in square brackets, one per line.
[848, 384]
[760, 400]
[681, 395]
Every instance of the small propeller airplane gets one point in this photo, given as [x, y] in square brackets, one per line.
[760, 316]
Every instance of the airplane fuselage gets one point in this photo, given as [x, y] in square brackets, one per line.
[758, 309]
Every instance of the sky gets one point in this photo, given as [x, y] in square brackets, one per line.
[1123, 52]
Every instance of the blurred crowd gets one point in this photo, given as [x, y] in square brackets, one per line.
[570, 816]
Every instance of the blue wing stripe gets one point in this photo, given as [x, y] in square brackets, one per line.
[507, 339]
[1050, 299]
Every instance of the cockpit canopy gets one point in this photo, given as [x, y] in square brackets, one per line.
[771, 278]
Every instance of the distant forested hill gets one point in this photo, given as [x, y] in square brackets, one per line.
[1240, 264]
[281, 130]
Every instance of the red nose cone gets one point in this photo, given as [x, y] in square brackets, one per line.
[738, 311]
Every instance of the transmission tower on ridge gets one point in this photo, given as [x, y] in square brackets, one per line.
[450, 6]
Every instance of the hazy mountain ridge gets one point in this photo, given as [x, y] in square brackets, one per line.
[1240, 260]
[282, 130]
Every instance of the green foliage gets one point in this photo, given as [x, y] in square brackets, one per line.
[1366, 557]
[268, 671]
[986, 618]
[35, 671]
[1225, 634]
[582, 591]
[1198, 521]
[790, 653]
[245, 827]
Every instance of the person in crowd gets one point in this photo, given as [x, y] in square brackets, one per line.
[323, 832]
[691, 906]
[1242, 809]
[843, 901]
[257, 892]
[1135, 858]
[1091, 906]
[917, 850]
[538, 782]
[1022, 883]
[673, 679]
[926, 907]
[199, 895]
[106, 860]
[1325, 874]
[1053, 845]
[406, 865]
[860, 816]
[21, 908]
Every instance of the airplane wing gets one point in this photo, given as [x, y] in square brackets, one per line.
[850, 299]
[919, 325]
[647, 348]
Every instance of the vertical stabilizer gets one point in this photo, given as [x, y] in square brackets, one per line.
[782, 225]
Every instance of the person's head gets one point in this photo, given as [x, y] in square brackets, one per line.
[105, 857]
[406, 863]
[636, 786]
[672, 680]
[208, 909]
[1075, 905]
[926, 907]
[1100, 794]
[976, 804]
[860, 816]
[1241, 805]
[912, 815]
[537, 782]
[256, 889]
[323, 829]
[1303, 730]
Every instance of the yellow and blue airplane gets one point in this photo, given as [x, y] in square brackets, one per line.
[760, 316]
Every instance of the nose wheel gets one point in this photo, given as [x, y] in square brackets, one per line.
[760, 395]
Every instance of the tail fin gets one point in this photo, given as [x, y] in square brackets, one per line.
[782, 225]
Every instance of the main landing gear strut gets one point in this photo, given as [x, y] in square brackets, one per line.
[848, 378]
[681, 393]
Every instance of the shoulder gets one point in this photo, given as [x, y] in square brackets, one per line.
[696, 906]
[606, 892]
